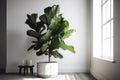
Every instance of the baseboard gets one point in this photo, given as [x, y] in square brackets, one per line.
[60, 71]
[2, 71]
[12, 70]
[73, 70]
[97, 75]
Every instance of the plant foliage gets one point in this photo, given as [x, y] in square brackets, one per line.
[50, 32]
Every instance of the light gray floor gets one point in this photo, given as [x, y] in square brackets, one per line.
[75, 76]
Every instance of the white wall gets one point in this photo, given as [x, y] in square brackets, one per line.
[17, 41]
[105, 70]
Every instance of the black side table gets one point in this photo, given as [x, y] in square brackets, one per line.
[25, 69]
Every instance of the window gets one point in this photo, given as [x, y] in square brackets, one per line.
[103, 29]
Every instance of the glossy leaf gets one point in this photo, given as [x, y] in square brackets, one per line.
[66, 47]
[52, 11]
[33, 33]
[41, 26]
[67, 33]
[54, 22]
[48, 10]
[32, 18]
[56, 54]
[44, 19]
[44, 47]
[37, 46]
[46, 36]
[48, 13]
[39, 53]
[60, 27]
[31, 47]
[55, 9]
[54, 43]
[31, 21]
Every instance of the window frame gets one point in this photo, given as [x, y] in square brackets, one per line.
[102, 25]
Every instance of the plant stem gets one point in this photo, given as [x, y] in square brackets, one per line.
[49, 57]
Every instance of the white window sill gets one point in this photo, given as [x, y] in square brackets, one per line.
[105, 59]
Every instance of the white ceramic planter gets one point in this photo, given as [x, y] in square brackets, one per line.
[45, 69]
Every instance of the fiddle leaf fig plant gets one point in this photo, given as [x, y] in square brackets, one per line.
[50, 32]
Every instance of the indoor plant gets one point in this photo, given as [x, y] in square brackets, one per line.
[50, 32]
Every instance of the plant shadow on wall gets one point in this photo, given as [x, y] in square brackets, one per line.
[50, 32]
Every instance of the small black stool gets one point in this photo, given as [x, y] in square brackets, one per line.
[25, 68]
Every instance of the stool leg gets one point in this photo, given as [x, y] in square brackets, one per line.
[31, 71]
[24, 71]
[19, 70]
[27, 71]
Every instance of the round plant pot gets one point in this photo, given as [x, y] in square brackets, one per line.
[46, 69]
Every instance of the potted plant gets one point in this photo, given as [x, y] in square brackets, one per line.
[50, 32]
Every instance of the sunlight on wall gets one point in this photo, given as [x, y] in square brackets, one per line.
[96, 28]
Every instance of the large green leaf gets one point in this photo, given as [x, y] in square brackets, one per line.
[54, 22]
[56, 54]
[43, 50]
[52, 11]
[44, 19]
[31, 21]
[46, 36]
[55, 9]
[54, 43]
[67, 33]
[44, 47]
[31, 47]
[47, 10]
[33, 33]
[39, 53]
[33, 17]
[60, 27]
[37, 46]
[66, 23]
[41, 26]
[48, 13]
[66, 47]
[31, 25]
